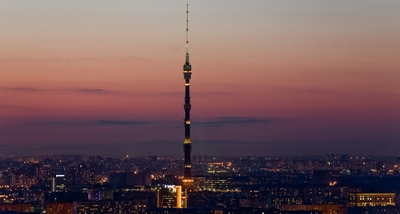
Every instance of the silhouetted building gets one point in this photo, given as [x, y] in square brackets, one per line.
[118, 178]
[322, 176]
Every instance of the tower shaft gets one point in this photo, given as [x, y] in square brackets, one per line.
[187, 144]
[187, 73]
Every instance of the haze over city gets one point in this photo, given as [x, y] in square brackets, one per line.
[269, 77]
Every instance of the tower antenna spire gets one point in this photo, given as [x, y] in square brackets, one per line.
[187, 33]
[187, 66]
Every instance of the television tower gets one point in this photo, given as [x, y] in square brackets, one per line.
[187, 181]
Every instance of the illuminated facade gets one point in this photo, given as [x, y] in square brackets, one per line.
[187, 180]
[362, 199]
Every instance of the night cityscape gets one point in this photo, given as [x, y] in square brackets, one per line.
[334, 183]
[293, 108]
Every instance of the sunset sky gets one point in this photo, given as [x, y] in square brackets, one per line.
[269, 77]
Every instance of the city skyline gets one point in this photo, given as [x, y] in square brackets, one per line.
[272, 78]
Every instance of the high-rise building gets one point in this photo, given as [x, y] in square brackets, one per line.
[58, 183]
[169, 196]
[187, 180]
